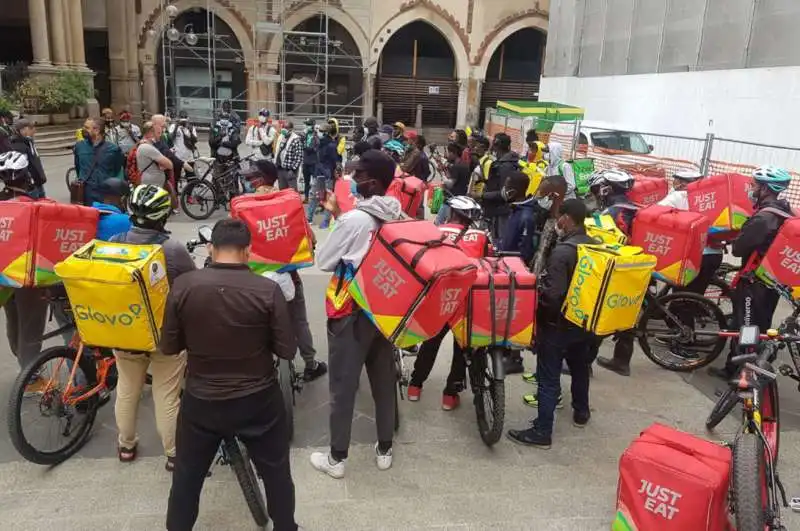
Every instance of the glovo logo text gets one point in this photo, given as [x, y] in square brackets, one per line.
[582, 272]
[617, 300]
[87, 313]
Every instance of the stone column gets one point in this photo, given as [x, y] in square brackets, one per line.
[369, 94]
[150, 102]
[37, 12]
[117, 54]
[132, 51]
[68, 36]
[76, 29]
[461, 113]
[58, 33]
[474, 103]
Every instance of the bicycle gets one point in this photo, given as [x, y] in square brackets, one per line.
[210, 194]
[403, 372]
[234, 453]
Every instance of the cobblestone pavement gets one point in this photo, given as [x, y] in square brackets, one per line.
[443, 476]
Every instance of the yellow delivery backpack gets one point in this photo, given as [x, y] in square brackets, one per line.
[535, 172]
[117, 292]
[608, 288]
[601, 227]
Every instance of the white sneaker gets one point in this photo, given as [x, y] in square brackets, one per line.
[323, 462]
[384, 461]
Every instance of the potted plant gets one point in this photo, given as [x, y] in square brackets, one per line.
[76, 89]
[29, 94]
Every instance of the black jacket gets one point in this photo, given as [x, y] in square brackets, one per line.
[760, 230]
[555, 280]
[328, 157]
[494, 205]
[311, 155]
[25, 145]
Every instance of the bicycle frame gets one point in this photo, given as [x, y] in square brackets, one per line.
[103, 364]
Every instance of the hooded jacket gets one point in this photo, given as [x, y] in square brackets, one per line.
[328, 157]
[494, 205]
[25, 145]
[346, 246]
[760, 230]
[558, 166]
[520, 229]
[554, 282]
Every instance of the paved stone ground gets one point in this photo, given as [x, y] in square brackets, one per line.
[443, 476]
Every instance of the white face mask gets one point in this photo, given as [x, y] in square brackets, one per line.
[262, 119]
[366, 131]
[546, 202]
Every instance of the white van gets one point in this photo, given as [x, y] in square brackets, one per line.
[604, 136]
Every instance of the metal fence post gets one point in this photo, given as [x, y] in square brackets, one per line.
[705, 162]
[575, 135]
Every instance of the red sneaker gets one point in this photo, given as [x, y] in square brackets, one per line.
[413, 393]
[450, 402]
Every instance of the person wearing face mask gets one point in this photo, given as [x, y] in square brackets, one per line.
[261, 136]
[371, 133]
[753, 302]
[311, 145]
[289, 157]
[183, 138]
[457, 181]
[22, 142]
[491, 198]
[324, 169]
[110, 129]
[556, 338]
[128, 134]
[353, 340]
[558, 166]
[96, 160]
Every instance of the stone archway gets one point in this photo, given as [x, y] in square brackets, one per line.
[503, 31]
[149, 44]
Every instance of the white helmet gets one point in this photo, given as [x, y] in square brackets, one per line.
[13, 161]
[466, 207]
[687, 176]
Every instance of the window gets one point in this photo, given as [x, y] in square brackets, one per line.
[194, 92]
[634, 143]
[621, 141]
[607, 140]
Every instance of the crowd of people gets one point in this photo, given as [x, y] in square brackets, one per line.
[223, 325]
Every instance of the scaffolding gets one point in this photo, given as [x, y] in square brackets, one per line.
[292, 78]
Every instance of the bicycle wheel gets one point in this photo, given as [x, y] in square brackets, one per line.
[667, 329]
[248, 480]
[490, 397]
[719, 292]
[749, 483]
[722, 408]
[286, 381]
[72, 424]
[199, 200]
[771, 419]
[71, 176]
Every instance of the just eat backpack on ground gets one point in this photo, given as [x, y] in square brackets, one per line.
[36, 235]
[411, 281]
[607, 288]
[781, 263]
[500, 309]
[675, 237]
[672, 481]
[282, 238]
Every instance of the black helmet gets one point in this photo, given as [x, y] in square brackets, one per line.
[183, 115]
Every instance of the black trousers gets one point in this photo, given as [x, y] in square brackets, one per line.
[753, 304]
[259, 420]
[308, 172]
[426, 358]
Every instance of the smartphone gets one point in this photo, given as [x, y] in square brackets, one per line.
[748, 335]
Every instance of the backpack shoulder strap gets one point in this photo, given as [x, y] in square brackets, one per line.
[778, 212]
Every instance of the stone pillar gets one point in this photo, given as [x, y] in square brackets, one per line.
[76, 29]
[58, 32]
[150, 94]
[369, 94]
[68, 36]
[474, 103]
[37, 12]
[461, 113]
[117, 53]
[132, 51]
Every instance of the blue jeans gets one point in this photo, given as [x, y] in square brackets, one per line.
[322, 185]
[441, 217]
[553, 346]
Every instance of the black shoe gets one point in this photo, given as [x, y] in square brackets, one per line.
[319, 369]
[722, 374]
[530, 437]
[614, 366]
[580, 419]
[513, 364]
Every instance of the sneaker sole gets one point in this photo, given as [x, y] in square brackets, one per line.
[327, 473]
[413, 398]
[581, 426]
[528, 445]
[529, 404]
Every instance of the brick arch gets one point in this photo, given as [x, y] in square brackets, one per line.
[436, 16]
[228, 13]
[532, 18]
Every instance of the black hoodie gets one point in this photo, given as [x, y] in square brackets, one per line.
[760, 230]
[494, 205]
[25, 145]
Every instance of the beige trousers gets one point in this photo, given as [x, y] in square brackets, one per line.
[167, 373]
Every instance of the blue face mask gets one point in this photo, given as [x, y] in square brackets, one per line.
[354, 188]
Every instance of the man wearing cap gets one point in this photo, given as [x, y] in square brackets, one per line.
[128, 134]
[261, 136]
[353, 340]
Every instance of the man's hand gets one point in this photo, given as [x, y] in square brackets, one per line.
[332, 205]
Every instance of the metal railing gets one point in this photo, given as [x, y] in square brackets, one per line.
[651, 153]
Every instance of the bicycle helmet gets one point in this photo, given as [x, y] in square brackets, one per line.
[777, 179]
[687, 176]
[395, 148]
[264, 112]
[465, 207]
[13, 161]
[150, 204]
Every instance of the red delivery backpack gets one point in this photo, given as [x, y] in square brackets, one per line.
[781, 263]
[282, 238]
[648, 191]
[675, 237]
[36, 235]
[409, 190]
[474, 242]
[672, 481]
[344, 197]
[500, 308]
[723, 199]
[411, 281]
